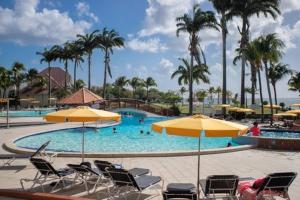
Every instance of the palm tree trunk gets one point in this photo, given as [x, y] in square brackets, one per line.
[191, 86]
[253, 83]
[89, 71]
[224, 90]
[105, 73]
[261, 96]
[269, 90]
[49, 83]
[218, 98]
[275, 95]
[66, 73]
[75, 67]
[243, 44]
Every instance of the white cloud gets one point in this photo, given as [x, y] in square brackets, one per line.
[167, 65]
[152, 45]
[25, 25]
[83, 9]
[289, 5]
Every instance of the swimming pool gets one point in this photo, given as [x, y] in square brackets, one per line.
[127, 139]
[280, 134]
[27, 113]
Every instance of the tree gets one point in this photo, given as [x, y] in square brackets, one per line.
[48, 55]
[6, 81]
[270, 48]
[120, 83]
[18, 76]
[193, 24]
[248, 90]
[88, 42]
[294, 82]
[79, 84]
[182, 91]
[201, 94]
[134, 83]
[77, 53]
[211, 92]
[276, 73]
[218, 91]
[107, 40]
[31, 75]
[223, 7]
[245, 9]
[148, 83]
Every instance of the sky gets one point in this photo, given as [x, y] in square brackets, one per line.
[149, 28]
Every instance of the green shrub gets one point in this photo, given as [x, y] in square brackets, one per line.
[175, 109]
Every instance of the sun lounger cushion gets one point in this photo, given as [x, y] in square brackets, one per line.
[146, 181]
[181, 191]
[138, 171]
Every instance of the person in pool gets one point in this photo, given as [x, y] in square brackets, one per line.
[229, 144]
[255, 130]
[114, 130]
[141, 132]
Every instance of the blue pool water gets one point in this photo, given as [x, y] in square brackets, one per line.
[280, 134]
[26, 113]
[127, 139]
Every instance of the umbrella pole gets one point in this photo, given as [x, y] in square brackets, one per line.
[7, 110]
[198, 169]
[82, 150]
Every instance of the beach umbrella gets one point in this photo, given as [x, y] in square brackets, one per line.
[294, 111]
[26, 99]
[295, 105]
[222, 106]
[285, 114]
[35, 102]
[82, 114]
[245, 110]
[196, 125]
[274, 106]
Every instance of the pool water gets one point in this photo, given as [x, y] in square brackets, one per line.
[127, 139]
[280, 134]
[26, 113]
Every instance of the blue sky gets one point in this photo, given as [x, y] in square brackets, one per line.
[152, 48]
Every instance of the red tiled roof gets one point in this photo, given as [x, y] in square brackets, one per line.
[57, 76]
[81, 97]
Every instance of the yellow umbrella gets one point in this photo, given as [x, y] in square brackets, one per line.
[234, 109]
[274, 106]
[35, 102]
[294, 111]
[81, 114]
[245, 110]
[26, 99]
[195, 125]
[222, 106]
[296, 105]
[285, 114]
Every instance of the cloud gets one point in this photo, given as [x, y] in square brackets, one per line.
[167, 65]
[23, 24]
[289, 5]
[152, 45]
[83, 9]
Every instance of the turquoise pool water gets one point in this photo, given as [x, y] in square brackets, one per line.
[127, 139]
[26, 113]
[280, 134]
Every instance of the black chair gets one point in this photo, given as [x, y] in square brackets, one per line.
[277, 184]
[102, 165]
[46, 172]
[123, 179]
[220, 185]
[85, 174]
[180, 191]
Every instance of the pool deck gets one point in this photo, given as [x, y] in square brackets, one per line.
[248, 163]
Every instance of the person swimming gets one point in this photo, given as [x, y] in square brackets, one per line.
[229, 144]
[148, 132]
[114, 130]
[255, 130]
[141, 132]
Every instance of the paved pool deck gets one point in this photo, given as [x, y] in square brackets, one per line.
[248, 163]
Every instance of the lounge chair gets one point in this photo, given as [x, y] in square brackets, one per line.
[123, 179]
[180, 191]
[41, 152]
[84, 173]
[275, 184]
[220, 186]
[102, 165]
[46, 173]
[8, 159]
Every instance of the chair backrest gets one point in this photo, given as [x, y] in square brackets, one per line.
[122, 177]
[278, 181]
[41, 148]
[102, 166]
[82, 169]
[221, 184]
[43, 166]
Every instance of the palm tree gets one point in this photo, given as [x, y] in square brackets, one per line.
[193, 24]
[211, 92]
[120, 83]
[182, 91]
[245, 9]
[201, 94]
[276, 73]
[77, 53]
[199, 73]
[48, 55]
[6, 81]
[218, 91]
[31, 75]
[79, 84]
[88, 42]
[148, 83]
[107, 40]
[18, 77]
[248, 90]
[134, 83]
[223, 7]
[270, 48]
[294, 82]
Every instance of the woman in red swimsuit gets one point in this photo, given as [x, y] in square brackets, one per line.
[255, 130]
